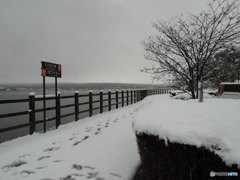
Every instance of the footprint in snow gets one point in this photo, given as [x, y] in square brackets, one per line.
[26, 173]
[58, 161]
[43, 157]
[41, 167]
[92, 175]
[14, 164]
[77, 142]
[69, 177]
[116, 175]
[23, 156]
[106, 125]
[88, 167]
[72, 138]
[89, 129]
[52, 149]
[98, 131]
[77, 167]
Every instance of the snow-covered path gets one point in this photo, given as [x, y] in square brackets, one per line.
[102, 147]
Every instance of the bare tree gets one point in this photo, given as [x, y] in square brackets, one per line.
[184, 48]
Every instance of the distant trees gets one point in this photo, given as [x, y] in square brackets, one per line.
[186, 49]
[228, 66]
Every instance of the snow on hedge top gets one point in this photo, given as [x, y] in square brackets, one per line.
[213, 123]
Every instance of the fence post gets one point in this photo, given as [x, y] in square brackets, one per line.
[109, 100]
[101, 102]
[32, 113]
[116, 99]
[58, 112]
[127, 98]
[90, 104]
[76, 106]
[131, 96]
[122, 98]
[135, 96]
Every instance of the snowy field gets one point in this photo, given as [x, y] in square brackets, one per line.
[104, 147]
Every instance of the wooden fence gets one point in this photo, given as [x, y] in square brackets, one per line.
[121, 98]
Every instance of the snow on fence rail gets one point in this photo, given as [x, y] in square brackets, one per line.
[121, 97]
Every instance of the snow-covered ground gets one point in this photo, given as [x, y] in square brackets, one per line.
[104, 147]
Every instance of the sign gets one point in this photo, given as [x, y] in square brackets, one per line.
[51, 69]
[50, 73]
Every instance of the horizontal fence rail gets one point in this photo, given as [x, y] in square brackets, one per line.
[120, 99]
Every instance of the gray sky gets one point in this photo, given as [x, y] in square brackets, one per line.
[93, 40]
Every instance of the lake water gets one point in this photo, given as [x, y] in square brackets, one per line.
[18, 107]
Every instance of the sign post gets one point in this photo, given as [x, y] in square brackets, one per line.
[200, 91]
[50, 70]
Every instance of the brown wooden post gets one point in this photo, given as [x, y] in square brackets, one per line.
[101, 102]
[122, 98]
[58, 112]
[32, 113]
[76, 106]
[90, 104]
[127, 98]
[109, 100]
[116, 99]
[131, 96]
[135, 96]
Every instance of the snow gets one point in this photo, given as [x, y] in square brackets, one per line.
[32, 94]
[103, 147]
[213, 123]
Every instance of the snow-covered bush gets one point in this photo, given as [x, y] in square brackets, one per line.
[186, 96]
[187, 139]
[182, 96]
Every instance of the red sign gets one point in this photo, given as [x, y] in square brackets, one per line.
[44, 72]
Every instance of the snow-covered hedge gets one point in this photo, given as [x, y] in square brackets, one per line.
[212, 125]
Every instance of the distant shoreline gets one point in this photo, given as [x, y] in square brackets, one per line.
[76, 86]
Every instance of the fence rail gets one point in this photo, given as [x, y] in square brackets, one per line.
[121, 98]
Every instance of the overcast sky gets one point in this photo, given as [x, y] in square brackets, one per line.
[93, 40]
